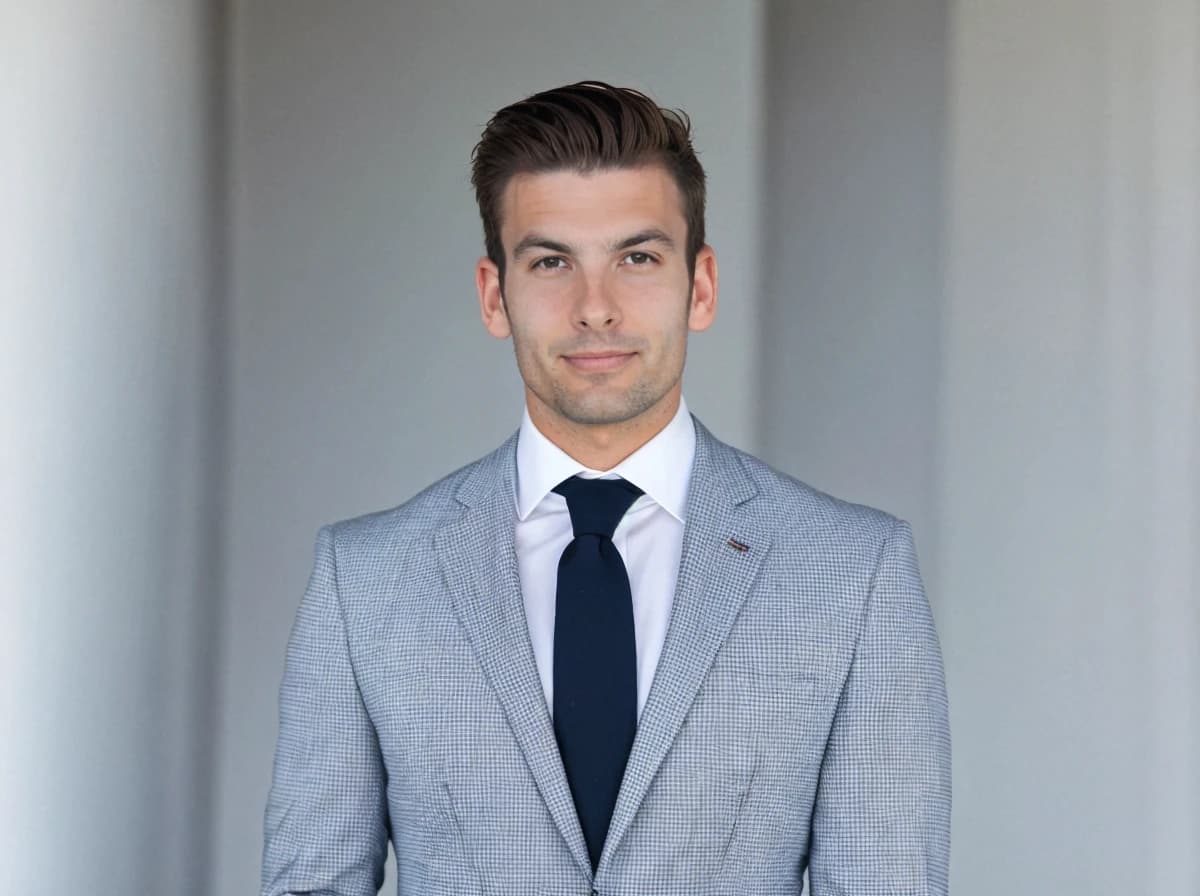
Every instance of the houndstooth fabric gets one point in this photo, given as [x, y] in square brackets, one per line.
[797, 719]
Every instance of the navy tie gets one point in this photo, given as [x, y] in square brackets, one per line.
[595, 655]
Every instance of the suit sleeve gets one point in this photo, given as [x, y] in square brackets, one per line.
[881, 822]
[326, 828]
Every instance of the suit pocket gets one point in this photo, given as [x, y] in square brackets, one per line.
[784, 661]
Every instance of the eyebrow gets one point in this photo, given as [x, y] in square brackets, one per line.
[537, 241]
[653, 235]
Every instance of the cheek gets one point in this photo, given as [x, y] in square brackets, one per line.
[666, 317]
[531, 332]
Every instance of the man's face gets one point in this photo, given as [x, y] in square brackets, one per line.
[596, 292]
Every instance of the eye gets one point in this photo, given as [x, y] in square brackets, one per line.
[550, 263]
[638, 258]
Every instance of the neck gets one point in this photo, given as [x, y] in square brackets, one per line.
[601, 446]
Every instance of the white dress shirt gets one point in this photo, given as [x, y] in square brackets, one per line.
[649, 536]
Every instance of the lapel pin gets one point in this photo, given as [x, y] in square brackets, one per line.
[737, 545]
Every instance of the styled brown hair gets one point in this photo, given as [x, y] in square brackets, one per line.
[585, 127]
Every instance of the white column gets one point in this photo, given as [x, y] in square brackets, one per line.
[1069, 441]
[106, 451]
[1172, 357]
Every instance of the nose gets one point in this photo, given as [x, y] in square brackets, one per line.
[595, 307]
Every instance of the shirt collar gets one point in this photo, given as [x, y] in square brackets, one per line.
[661, 468]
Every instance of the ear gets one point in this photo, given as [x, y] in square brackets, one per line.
[703, 308]
[491, 300]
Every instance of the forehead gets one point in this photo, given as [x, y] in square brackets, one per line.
[598, 202]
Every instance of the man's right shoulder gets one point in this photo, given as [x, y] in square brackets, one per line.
[422, 514]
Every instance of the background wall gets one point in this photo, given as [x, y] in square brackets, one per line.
[959, 281]
[852, 251]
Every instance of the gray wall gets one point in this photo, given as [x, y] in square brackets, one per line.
[359, 369]
[108, 466]
[852, 260]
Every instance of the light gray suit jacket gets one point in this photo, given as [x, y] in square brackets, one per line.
[797, 717]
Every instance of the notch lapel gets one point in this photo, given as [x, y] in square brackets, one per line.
[478, 556]
[714, 579]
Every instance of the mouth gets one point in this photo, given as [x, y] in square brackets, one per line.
[598, 362]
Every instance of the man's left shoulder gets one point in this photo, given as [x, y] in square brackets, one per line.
[789, 505]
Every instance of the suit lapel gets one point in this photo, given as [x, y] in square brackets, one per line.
[479, 560]
[714, 579]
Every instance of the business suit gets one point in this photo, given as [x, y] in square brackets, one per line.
[799, 689]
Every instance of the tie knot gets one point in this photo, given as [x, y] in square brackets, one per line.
[597, 505]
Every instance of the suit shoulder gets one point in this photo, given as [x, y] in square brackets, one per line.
[797, 503]
[423, 513]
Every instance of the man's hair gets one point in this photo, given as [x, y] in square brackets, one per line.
[585, 127]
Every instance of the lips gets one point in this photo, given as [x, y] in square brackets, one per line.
[598, 362]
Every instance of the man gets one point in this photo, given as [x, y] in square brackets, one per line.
[615, 655]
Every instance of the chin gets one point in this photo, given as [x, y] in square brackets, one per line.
[604, 410]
